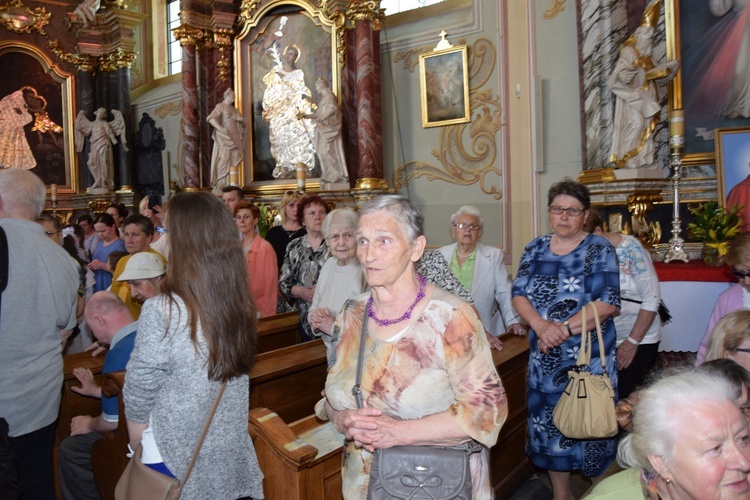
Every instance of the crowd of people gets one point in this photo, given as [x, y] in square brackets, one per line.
[363, 281]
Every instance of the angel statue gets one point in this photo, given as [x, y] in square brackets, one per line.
[102, 135]
[86, 11]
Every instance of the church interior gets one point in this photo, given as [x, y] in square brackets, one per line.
[460, 102]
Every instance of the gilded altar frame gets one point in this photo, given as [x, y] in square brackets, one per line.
[319, 35]
[31, 67]
[686, 22]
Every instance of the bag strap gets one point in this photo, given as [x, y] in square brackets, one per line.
[204, 433]
[584, 352]
[356, 391]
[599, 337]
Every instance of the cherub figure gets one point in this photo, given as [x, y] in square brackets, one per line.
[102, 135]
[42, 122]
[86, 11]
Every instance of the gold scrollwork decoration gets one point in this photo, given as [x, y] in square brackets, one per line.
[247, 10]
[460, 163]
[189, 35]
[554, 9]
[367, 10]
[83, 62]
[411, 57]
[118, 58]
[223, 39]
[339, 21]
[20, 19]
[173, 108]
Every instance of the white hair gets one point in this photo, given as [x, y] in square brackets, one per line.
[344, 216]
[21, 194]
[468, 210]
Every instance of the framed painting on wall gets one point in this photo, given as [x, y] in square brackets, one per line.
[283, 49]
[733, 165]
[444, 87]
[36, 110]
[713, 84]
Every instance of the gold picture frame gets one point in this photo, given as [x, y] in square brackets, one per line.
[732, 159]
[444, 87]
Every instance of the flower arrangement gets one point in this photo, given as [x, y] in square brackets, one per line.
[715, 226]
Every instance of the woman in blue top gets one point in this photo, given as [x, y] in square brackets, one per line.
[109, 242]
[559, 273]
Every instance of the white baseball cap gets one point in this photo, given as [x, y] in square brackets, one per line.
[143, 266]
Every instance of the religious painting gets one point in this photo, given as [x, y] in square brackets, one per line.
[444, 87]
[35, 111]
[710, 38]
[280, 54]
[733, 166]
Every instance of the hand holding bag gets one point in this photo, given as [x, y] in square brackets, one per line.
[416, 472]
[141, 482]
[586, 409]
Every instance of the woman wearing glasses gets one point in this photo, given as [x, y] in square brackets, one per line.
[559, 273]
[735, 297]
[480, 270]
[731, 339]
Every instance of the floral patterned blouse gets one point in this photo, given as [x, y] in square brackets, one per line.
[440, 362]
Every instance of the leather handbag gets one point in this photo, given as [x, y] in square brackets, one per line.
[586, 409]
[416, 472]
[141, 482]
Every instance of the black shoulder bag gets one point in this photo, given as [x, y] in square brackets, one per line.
[416, 472]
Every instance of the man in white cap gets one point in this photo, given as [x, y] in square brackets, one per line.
[144, 273]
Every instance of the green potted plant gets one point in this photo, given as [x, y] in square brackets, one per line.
[715, 226]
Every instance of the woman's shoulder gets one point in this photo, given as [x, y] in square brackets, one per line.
[625, 485]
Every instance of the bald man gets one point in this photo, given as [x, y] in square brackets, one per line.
[111, 323]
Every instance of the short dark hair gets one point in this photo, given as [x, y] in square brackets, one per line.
[229, 189]
[114, 257]
[246, 205]
[306, 202]
[46, 216]
[141, 221]
[121, 210]
[593, 221]
[105, 218]
[87, 218]
[572, 188]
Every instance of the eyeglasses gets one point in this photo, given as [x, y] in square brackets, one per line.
[470, 227]
[740, 274]
[572, 211]
[51, 233]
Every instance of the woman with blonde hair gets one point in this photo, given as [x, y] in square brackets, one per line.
[290, 228]
[730, 338]
[735, 297]
[192, 338]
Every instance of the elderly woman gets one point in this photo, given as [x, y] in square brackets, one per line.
[689, 440]
[428, 377]
[193, 339]
[304, 258]
[290, 228]
[731, 339]
[341, 277]
[559, 273]
[638, 327]
[737, 296]
[480, 270]
[260, 257]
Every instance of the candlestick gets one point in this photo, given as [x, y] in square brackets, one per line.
[301, 176]
[53, 192]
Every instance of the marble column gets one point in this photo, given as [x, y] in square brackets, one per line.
[126, 159]
[370, 139]
[207, 100]
[189, 124]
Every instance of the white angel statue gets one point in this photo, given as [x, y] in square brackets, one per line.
[86, 11]
[102, 135]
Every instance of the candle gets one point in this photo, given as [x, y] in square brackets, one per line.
[234, 176]
[676, 129]
[53, 192]
[301, 175]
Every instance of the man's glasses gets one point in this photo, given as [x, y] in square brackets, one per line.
[51, 233]
[572, 211]
[470, 227]
[740, 274]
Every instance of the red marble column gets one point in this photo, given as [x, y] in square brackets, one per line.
[190, 131]
[368, 114]
[207, 101]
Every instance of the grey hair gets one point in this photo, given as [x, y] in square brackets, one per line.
[21, 193]
[468, 210]
[345, 216]
[657, 408]
[401, 209]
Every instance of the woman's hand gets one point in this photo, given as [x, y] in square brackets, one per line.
[625, 354]
[303, 293]
[97, 265]
[550, 335]
[518, 329]
[322, 320]
[355, 424]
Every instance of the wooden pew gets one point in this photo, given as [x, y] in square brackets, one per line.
[289, 380]
[108, 456]
[302, 460]
[280, 330]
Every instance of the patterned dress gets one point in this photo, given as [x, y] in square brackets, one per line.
[302, 267]
[557, 287]
[441, 362]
